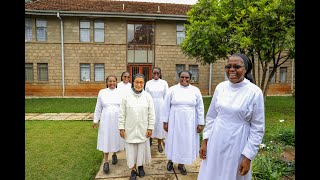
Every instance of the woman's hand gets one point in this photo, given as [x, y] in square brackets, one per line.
[203, 149]
[122, 133]
[148, 133]
[165, 126]
[95, 125]
[244, 166]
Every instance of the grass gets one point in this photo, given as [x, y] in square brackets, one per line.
[67, 149]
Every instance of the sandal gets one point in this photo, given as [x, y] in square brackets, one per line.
[170, 165]
[160, 148]
[182, 169]
[106, 167]
[114, 159]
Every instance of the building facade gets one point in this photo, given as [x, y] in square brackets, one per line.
[72, 46]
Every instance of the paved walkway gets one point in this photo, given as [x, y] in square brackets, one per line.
[155, 170]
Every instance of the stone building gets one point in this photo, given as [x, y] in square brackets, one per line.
[72, 46]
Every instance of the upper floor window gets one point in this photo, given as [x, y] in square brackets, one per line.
[41, 26]
[98, 72]
[273, 79]
[181, 33]
[194, 70]
[84, 31]
[42, 71]
[98, 31]
[84, 72]
[283, 74]
[28, 72]
[179, 68]
[28, 29]
[140, 40]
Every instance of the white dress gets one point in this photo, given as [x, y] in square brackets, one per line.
[124, 88]
[107, 111]
[235, 125]
[183, 110]
[157, 89]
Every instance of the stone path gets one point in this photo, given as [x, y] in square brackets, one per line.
[156, 170]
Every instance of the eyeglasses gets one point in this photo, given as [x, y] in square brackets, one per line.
[139, 82]
[126, 76]
[156, 73]
[233, 66]
[184, 77]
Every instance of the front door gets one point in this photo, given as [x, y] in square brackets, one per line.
[145, 69]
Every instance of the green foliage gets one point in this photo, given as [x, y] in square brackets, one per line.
[268, 164]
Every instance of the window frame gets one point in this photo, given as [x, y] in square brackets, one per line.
[177, 78]
[280, 74]
[98, 28]
[29, 72]
[84, 28]
[180, 31]
[27, 29]
[95, 72]
[38, 28]
[40, 71]
[89, 72]
[195, 76]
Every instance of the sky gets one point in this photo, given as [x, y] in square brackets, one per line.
[167, 1]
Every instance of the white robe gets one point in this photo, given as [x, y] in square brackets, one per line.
[157, 89]
[107, 111]
[183, 109]
[235, 125]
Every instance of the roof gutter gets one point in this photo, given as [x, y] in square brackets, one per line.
[108, 14]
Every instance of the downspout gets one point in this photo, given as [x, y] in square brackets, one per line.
[62, 53]
[210, 77]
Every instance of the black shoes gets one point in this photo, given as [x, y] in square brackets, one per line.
[141, 171]
[169, 165]
[106, 167]
[150, 139]
[182, 169]
[160, 148]
[133, 175]
[114, 159]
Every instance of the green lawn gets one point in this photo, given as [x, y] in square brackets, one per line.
[67, 149]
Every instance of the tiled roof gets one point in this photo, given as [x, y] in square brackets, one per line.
[108, 6]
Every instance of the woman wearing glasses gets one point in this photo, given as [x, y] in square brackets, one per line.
[158, 88]
[235, 124]
[124, 83]
[183, 118]
[136, 122]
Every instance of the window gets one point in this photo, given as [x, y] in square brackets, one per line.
[28, 29]
[84, 72]
[28, 72]
[181, 33]
[98, 72]
[195, 73]
[84, 31]
[273, 79]
[98, 31]
[41, 25]
[140, 41]
[283, 74]
[179, 68]
[42, 71]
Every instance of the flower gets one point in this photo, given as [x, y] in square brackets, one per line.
[262, 146]
[281, 120]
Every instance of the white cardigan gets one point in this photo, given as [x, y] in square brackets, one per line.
[136, 116]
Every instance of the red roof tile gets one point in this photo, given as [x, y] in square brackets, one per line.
[109, 6]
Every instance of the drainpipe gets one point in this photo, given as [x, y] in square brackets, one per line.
[210, 77]
[62, 53]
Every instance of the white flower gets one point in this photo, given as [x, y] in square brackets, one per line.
[262, 146]
[281, 120]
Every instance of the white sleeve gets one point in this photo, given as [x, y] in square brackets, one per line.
[122, 113]
[211, 115]
[199, 108]
[165, 110]
[98, 108]
[257, 127]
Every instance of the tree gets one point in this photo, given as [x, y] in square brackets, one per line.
[264, 30]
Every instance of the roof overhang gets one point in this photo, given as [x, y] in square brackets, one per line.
[108, 14]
